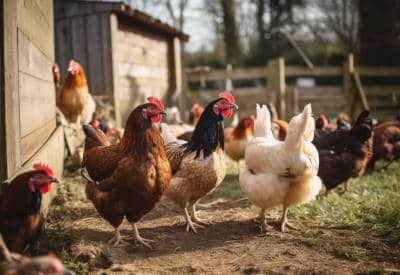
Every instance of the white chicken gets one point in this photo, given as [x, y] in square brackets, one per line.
[281, 173]
[292, 157]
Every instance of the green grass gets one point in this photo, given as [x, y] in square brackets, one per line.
[369, 215]
[372, 205]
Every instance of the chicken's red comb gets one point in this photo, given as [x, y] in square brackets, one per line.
[227, 96]
[156, 101]
[195, 107]
[322, 116]
[253, 117]
[44, 168]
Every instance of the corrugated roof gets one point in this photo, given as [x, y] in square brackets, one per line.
[134, 15]
[148, 20]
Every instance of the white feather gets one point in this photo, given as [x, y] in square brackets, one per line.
[295, 155]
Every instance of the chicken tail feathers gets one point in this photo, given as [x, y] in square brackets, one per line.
[94, 137]
[262, 124]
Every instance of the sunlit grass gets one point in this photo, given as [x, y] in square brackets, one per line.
[371, 205]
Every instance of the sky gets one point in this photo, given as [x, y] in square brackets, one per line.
[198, 23]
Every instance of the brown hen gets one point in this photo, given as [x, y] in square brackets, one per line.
[129, 178]
[20, 220]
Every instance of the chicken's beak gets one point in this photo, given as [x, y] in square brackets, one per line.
[234, 106]
[163, 113]
[55, 180]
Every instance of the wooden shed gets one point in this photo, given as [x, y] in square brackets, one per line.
[127, 55]
[28, 131]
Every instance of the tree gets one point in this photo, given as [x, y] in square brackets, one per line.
[178, 18]
[231, 37]
[379, 32]
[340, 18]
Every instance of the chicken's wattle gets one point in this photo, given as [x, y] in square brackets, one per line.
[45, 188]
[156, 118]
[227, 113]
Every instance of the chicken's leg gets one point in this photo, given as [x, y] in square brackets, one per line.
[284, 221]
[116, 239]
[189, 223]
[137, 238]
[194, 218]
[263, 221]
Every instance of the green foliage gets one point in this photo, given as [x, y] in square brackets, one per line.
[372, 205]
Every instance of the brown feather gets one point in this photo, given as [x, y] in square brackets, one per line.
[136, 171]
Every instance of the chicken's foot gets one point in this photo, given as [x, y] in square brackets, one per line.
[262, 220]
[195, 219]
[284, 221]
[116, 239]
[137, 238]
[190, 224]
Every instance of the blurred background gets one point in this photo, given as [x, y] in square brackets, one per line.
[341, 55]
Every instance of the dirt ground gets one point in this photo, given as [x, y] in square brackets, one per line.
[234, 243]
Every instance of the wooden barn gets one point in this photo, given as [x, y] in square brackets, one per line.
[127, 55]
[28, 131]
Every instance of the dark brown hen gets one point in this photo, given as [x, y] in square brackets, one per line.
[21, 222]
[129, 178]
[344, 153]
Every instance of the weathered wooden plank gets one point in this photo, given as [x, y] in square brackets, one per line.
[238, 73]
[64, 46]
[379, 71]
[37, 25]
[139, 37]
[32, 61]
[129, 82]
[30, 144]
[65, 9]
[106, 52]
[94, 53]
[175, 71]
[3, 151]
[12, 135]
[142, 70]
[37, 103]
[79, 42]
[277, 84]
[383, 90]
[322, 90]
[317, 71]
[115, 66]
[139, 55]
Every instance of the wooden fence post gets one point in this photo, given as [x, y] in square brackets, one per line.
[348, 68]
[277, 85]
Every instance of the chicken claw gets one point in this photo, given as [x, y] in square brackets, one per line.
[190, 224]
[284, 221]
[138, 239]
[195, 219]
[117, 239]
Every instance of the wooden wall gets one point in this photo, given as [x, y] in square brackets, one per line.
[142, 67]
[30, 120]
[82, 32]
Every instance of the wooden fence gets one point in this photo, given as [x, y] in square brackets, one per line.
[337, 88]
